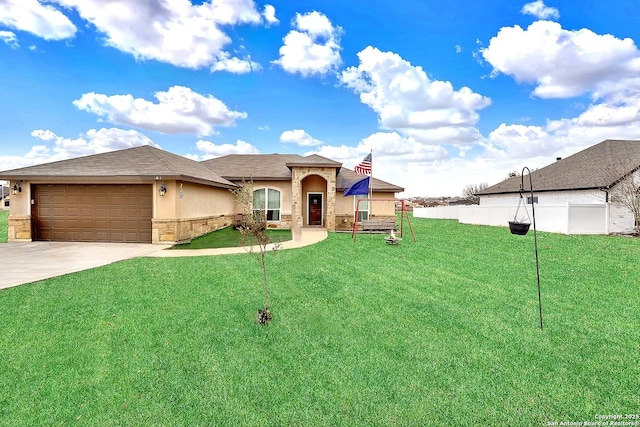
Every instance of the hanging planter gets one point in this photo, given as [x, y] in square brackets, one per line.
[520, 228]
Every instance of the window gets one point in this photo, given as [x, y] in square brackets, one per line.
[531, 201]
[363, 208]
[266, 201]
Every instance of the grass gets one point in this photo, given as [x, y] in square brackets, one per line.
[439, 332]
[228, 237]
[4, 226]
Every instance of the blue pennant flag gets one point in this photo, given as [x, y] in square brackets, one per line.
[359, 187]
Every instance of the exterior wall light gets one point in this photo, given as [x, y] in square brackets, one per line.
[163, 189]
[16, 189]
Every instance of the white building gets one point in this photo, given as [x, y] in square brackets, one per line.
[598, 176]
[581, 194]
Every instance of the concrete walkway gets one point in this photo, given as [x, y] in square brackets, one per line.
[300, 237]
[26, 262]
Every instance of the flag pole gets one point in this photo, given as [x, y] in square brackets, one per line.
[371, 184]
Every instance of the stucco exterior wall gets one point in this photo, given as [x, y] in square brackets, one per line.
[189, 210]
[19, 223]
[347, 205]
[195, 200]
[21, 202]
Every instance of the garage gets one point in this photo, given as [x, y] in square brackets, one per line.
[92, 213]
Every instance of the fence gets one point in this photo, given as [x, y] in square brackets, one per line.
[569, 218]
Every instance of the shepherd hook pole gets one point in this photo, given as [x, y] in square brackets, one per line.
[535, 235]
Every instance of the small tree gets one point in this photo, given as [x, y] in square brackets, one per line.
[626, 193]
[469, 192]
[253, 229]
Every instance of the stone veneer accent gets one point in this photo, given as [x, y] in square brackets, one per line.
[19, 228]
[183, 230]
[283, 224]
[300, 173]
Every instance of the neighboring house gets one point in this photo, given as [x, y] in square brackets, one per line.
[145, 194]
[594, 176]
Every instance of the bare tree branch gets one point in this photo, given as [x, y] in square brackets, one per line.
[469, 192]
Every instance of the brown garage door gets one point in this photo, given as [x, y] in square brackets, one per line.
[92, 213]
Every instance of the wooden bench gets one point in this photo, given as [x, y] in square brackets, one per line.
[379, 225]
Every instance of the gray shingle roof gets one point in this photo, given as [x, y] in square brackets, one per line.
[599, 166]
[266, 167]
[236, 167]
[347, 177]
[138, 162]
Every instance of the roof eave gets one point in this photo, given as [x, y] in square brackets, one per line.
[546, 190]
[114, 179]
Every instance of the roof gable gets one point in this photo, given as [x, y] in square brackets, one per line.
[597, 167]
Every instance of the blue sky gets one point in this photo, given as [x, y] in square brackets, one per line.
[445, 94]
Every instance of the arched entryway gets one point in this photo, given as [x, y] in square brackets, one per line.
[314, 196]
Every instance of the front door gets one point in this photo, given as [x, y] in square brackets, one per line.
[315, 208]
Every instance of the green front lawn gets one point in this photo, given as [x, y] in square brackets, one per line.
[439, 332]
[4, 226]
[229, 237]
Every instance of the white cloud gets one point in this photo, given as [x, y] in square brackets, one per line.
[565, 136]
[212, 150]
[562, 63]
[408, 101]
[44, 135]
[299, 137]
[172, 31]
[540, 10]
[402, 161]
[92, 142]
[402, 149]
[10, 39]
[234, 65]
[313, 47]
[179, 110]
[269, 14]
[395, 148]
[43, 20]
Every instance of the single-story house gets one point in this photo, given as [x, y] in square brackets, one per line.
[598, 175]
[145, 194]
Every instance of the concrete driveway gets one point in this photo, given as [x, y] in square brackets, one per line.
[26, 262]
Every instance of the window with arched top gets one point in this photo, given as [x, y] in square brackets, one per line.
[266, 201]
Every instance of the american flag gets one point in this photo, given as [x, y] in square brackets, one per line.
[364, 168]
